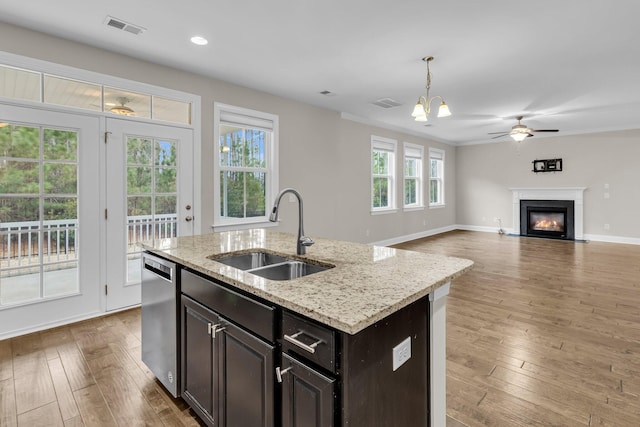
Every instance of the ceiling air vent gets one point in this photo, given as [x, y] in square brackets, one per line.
[386, 103]
[125, 26]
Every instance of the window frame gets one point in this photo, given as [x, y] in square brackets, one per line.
[251, 119]
[390, 146]
[413, 152]
[438, 155]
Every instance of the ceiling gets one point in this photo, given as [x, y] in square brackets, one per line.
[570, 64]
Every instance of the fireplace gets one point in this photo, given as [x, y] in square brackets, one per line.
[547, 218]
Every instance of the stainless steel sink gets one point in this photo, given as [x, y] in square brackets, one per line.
[269, 265]
[288, 270]
[250, 260]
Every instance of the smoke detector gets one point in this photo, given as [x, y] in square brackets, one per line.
[124, 26]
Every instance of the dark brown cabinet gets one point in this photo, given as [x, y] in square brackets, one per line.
[227, 372]
[246, 363]
[307, 396]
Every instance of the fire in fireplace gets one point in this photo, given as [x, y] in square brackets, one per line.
[547, 221]
[547, 218]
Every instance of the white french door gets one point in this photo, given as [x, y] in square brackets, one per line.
[49, 216]
[149, 196]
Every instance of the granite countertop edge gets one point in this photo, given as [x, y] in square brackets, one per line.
[367, 284]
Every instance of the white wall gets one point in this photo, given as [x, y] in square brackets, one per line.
[323, 156]
[485, 173]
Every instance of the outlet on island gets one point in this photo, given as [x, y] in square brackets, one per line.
[401, 353]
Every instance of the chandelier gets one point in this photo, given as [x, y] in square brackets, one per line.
[423, 106]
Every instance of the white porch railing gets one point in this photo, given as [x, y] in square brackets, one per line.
[21, 244]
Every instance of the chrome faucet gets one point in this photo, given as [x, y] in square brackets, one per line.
[303, 241]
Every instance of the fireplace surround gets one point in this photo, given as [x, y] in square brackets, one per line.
[575, 194]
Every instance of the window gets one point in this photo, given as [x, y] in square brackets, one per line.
[383, 158]
[436, 177]
[30, 85]
[413, 155]
[245, 165]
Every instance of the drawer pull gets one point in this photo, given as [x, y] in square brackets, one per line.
[311, 348]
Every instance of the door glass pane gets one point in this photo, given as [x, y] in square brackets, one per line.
[38, 213]
[151, 196]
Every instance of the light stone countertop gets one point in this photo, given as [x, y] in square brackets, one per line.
[367, 284]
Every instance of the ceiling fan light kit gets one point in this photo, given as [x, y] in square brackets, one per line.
[519, 132]
[423, 106]
[122, 109]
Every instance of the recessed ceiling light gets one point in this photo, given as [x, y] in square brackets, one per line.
[200, 41]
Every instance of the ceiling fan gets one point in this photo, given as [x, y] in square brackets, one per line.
[519, 132]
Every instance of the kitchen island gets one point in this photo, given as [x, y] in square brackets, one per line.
[370, 291]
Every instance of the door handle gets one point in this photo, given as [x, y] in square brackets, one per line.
[281, 372]
[188, 218]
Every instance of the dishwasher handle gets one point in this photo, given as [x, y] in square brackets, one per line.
[159, 268]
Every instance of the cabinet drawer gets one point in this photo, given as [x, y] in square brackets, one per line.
[248, 313]
[311, 341]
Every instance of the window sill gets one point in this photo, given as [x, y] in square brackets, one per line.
[440, 206]
[242, 226]
[413, 208]
[384, 211]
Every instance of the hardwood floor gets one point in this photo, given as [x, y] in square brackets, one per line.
[540, 332]
[84, 374]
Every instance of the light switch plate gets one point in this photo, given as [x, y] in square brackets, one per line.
[401, 353]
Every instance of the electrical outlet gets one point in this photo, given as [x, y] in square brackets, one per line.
[292, 198]
[607, 226]
[606, 195]
[401, 353]
[367, 232]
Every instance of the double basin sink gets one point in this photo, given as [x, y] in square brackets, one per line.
[269, 265]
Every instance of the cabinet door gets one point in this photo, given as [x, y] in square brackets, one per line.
[198, 358]
[307, 396]
[246, 376]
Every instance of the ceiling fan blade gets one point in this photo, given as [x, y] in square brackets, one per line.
[500, 136]
[529, 134]
[543, 130]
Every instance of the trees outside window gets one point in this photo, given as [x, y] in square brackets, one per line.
[413, 155]
[383, 155]
[246, 165]
[436, 177]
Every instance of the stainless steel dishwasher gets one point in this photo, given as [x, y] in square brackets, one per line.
[159, 320]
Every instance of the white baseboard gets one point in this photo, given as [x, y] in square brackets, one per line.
[433, 232]
[612, 239]
[482, 228]
[414, 236]
[56, 323]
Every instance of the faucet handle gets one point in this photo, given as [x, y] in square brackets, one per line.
[306, 241]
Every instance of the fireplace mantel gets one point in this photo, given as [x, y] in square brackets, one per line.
[561, 193]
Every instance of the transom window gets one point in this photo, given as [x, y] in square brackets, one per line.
[30, 85]
[383, 158]
[436, 177]
[413, 155]
[246, 165]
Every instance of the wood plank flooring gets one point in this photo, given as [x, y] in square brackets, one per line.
[85, 374]
[540, 332]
